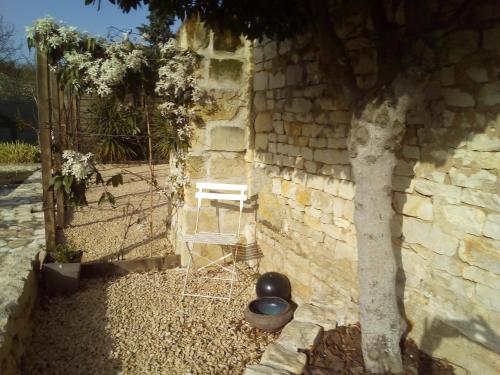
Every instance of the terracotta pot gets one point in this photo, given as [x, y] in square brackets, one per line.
[268, 313]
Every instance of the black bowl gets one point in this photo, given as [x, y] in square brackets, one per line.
[268, 313]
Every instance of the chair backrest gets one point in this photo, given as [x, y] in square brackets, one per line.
[205, 191]
[225, 192]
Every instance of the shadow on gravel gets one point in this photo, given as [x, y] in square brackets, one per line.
[70, 335]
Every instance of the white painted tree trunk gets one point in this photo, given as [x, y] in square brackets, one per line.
[375, 135]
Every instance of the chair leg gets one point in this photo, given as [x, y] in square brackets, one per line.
[233, 276]
[187, 274]
[191, 266]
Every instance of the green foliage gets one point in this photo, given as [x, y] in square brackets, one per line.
[64, 253]
[165, 138]
[17, 81]
[117, 123]
[75, 190]
[158, 30]
[18, 152]
[253, 18]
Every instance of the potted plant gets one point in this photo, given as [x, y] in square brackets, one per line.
[61, 270]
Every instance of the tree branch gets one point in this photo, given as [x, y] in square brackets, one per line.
[333, 57]
[416, 28]
[387, 40]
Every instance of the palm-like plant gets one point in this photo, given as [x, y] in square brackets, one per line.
[117, 125]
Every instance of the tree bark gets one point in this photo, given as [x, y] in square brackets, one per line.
[43, 100]
[376, 133]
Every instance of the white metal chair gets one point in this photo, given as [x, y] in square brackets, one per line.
[227, 192]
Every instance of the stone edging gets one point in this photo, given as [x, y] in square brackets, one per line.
[21, 235]
[283, 356]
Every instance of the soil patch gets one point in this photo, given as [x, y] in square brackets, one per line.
[339, 353]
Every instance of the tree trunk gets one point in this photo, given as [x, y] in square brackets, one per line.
[43, 100]
[376, 133]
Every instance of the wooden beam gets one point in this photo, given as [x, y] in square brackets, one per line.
[57, 120]
[43, 97]
[122, 267]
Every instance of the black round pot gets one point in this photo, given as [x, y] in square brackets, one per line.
[268, 313]
[273, 284]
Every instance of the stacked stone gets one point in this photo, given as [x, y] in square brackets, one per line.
[220, 144]
[22, 235]
[446, 189]
[306, 213]
[448, 205]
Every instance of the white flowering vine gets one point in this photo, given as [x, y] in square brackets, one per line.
[180, 94]
[99, 67]
[80, 166]
[75, 175]
[52, 35]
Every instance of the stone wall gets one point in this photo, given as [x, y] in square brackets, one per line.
[22, 234]
[221, 143]
[446, 189]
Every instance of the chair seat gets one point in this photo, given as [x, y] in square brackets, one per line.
[212, 238]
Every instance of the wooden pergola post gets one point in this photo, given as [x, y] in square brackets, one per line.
[57, 120]
[43, 96]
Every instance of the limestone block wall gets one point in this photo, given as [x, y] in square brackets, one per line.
[446, 189]
[221, 143]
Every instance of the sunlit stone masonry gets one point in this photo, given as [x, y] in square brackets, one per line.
[281, 129]
[21, 236]
[221, 150]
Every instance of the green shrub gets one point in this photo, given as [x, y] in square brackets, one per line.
[18, 152]
[117, 124]
[64, 253]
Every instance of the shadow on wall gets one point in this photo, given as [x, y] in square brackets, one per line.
[440, 329]
[455, 121]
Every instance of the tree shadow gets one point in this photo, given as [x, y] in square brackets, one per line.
[438, 329]
[443, 134]
[71, 336]
[127, 249]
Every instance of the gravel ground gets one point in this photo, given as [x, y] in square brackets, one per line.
[137, 324]
[100, 231]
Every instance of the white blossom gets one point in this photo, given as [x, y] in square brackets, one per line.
[80, 166]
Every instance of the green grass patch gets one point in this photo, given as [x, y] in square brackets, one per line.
[18, 152]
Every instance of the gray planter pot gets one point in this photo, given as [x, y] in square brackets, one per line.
[268, 313]
[61, 278]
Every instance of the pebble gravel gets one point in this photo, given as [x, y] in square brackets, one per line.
[137, 324]
[101, 231]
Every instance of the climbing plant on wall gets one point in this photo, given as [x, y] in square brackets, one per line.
[163, 75]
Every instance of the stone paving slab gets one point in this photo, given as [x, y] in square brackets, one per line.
[22, 235]
[324, 317]
[282, 358]
[264, 370]
[302, 332]
[300, 335]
